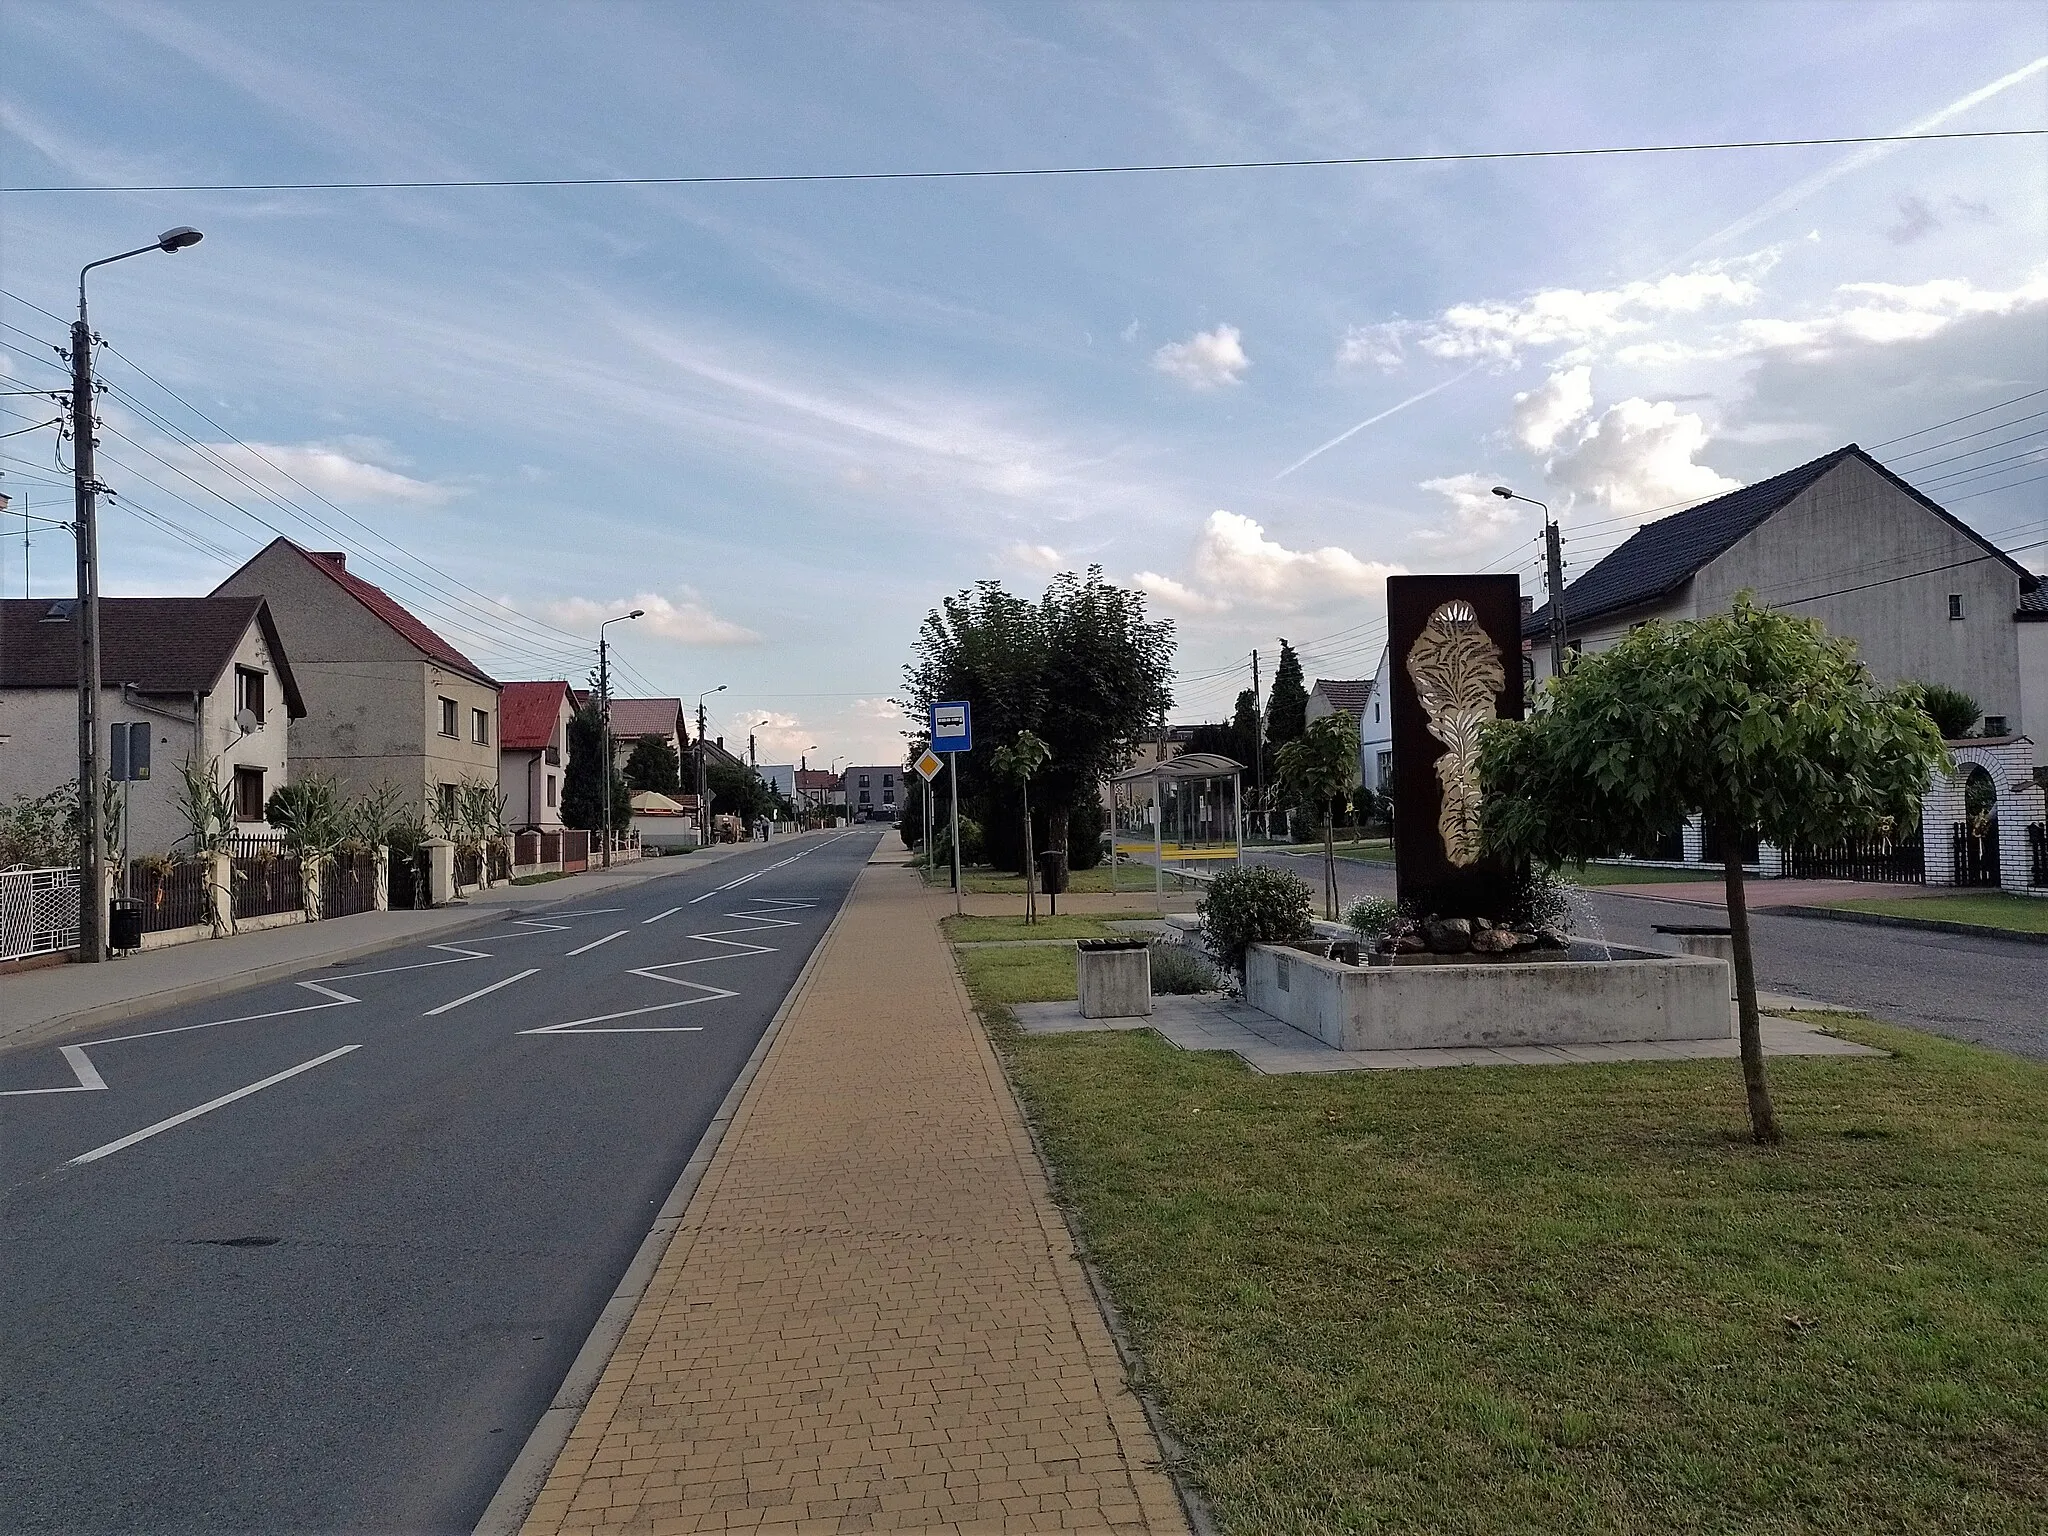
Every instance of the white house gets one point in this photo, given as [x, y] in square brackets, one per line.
[533, 753]
[1353, 697]
[206, 678]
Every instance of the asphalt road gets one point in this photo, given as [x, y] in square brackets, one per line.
[1984, 990]
[341, 1301]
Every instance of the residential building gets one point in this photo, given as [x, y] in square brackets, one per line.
[875, 793]
[533, 753]
[1376, 732]
[815, 787]
[780, 777]
[1152, 750]
[1843, 540]
[388, 701]
[2030, 621]
[204, 680]
[634, 718]
[1353, 697]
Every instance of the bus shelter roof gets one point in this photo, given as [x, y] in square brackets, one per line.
[1189, 765]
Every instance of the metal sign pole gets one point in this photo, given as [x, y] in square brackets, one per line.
[953, 773]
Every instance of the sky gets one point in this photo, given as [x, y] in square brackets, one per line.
[786, 420]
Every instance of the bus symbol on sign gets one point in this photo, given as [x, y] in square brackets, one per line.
[952, 730]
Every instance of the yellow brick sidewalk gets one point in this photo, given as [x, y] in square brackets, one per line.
[871, 1317]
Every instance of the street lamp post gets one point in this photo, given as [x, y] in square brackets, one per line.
[92, 855]
[604, 715]
[703, 794]
[1553, 558]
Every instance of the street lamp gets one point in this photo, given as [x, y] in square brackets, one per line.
[604, 715]
[92, 896]
[703, 795]
[1554, 577]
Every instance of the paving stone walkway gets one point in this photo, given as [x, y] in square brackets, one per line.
[871, 1317]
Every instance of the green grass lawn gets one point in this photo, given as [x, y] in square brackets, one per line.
[1564, 1299]
[980, 880]
[1633, 874]
[968, 930]
[540, 879]
[1992, 909]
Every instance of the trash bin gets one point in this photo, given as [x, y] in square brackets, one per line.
[1114, 978]
[1052, 874]
[124, 923]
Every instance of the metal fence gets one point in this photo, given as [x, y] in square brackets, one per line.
[173, 895]
[348, 883]
[1976, 853]
[38, 912]
[266, 878]
[575, 850]
[2037, 854]
[1890, 860]
[469, 867]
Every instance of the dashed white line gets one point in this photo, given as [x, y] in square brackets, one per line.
[587, 948]
[671, 912]
[207, 1108]
[481, 992]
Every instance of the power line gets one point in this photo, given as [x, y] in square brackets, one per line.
[1966, 416]
[1044, 171]
[1964, 437]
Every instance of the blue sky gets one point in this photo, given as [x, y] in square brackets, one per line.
[788, 419]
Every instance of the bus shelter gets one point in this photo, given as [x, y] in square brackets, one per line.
[1188, 810]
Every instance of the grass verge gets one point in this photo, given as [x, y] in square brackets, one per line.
[1635, 874]
[540, 879]
[1568, 1298]
[1986, 909]
[970, 930]
[981, 880]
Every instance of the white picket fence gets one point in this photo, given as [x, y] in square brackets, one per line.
[38, 912]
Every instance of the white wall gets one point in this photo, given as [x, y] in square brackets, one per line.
[2033, 720]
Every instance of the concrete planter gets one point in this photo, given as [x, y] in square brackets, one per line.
[1570, 1002]
[1115, 978]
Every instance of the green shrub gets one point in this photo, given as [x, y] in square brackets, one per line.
[1178, 971]
[1086, 824]
[1949, 708]
[1371, 916]
[970, 842]
[1254, 905]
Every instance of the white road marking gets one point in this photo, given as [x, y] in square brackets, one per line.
[89, 1079]
[340, 999]
[575, 1026]
[587, 948]
[461, 954]
[671, 912]
[481, 992]
[207, 1108]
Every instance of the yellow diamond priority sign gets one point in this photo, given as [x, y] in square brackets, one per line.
[928, 765]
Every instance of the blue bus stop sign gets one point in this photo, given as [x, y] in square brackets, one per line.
[952, 728]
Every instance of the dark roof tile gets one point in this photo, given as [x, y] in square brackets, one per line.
[162, 645]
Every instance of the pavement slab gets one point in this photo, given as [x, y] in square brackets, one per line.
[871, 1316]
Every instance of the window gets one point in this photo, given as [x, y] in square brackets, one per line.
[1994, 725]
[248, 794]
[551, 791]
[863, 784]
[1528, 667]
[447, 798]
[447, 717]
[888, 797]
[249, 692]
[1386, 769]
[480, 727]
[1955, 605]
[1375, 714]
[863, 797]
[888, 779]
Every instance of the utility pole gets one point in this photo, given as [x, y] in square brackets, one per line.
[752, 761]
[604, 715]
[1259, 749]
[1554, 569]
[703, 793]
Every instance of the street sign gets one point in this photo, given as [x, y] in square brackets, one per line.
[952, 728]
[928, 765]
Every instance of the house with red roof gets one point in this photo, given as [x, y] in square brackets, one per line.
[388, 701]
[533, 753]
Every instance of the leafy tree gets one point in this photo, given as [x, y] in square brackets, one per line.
[583, 783]
[1954, 711]
[1318, 768]
[40, 831]
[1287, 704]
[655, 764]
[1253, 905]
[737, 790]
[1756, 718]
[1244, 728]
[1082, 668]
[1016, 763]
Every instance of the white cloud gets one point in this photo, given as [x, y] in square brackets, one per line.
[1379, 346]
[1039, 557]
[1574, 317]
[1637, 456]
[1476, 513]
[1235, 565]
[1206, 359]
[688, 621]
[332, 469]
[1560, 401]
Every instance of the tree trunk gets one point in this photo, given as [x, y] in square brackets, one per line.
[1030, 872]
[1056, 826]
[1763, 1121]
[1329, 862]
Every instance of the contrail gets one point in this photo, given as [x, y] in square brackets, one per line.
[1870, 154]
[1383, 415]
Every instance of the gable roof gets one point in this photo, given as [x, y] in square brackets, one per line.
[162, 645]
[647, 717]
[2034, 604]
[387, 609]
[527, 713]
[1348, 694]
[1660, 557]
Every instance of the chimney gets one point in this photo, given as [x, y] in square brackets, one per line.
[721, 743]
[1528, 605]
[333, 557]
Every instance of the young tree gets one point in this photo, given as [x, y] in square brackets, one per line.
[583, 783]
[654, 764]
[1319, 767]
[1758, 719]
[1016, 763]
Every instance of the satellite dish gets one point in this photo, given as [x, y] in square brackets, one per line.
[247, 723]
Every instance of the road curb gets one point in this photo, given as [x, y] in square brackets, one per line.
[529, 1471]
[1924, 924]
